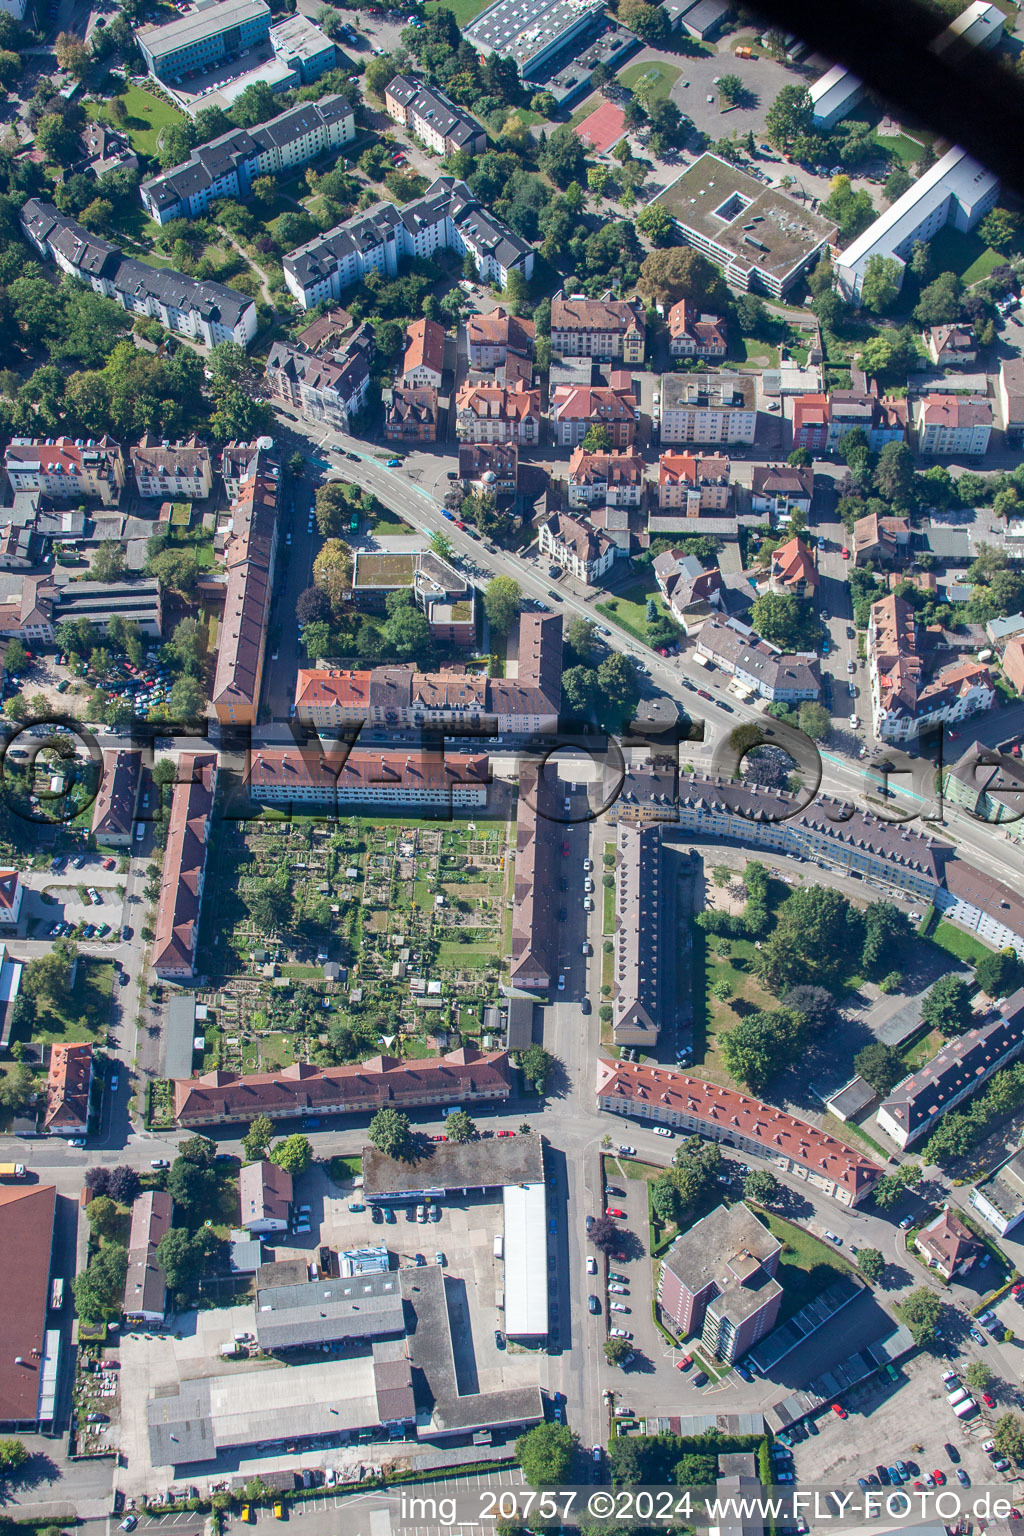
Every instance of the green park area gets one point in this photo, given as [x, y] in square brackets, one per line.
[148, 116]
[659, 78]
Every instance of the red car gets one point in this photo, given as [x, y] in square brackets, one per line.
[845, 553]
[940, 1478]
[702, 693]
[620, 1258]
[988, 1399]
[612, 1210]
[109, 863]
[840, 1410]
[565, 850]
[685, 1363]
[1018, 1288]
[439, 1138]
[506, 1133]
[459, 523]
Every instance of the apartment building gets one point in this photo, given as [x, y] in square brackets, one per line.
[736, 1120]
[113, 810]
[491, 413]
[493, 336]
[718, 1281]
[434, 119]
[535, 896]
[956, 190]
[205, 311]
[303, 48]
[694, 485]
[757, 665]
[330, 388]
[685, 585]
[446, 217]
[249, 555]
[640, 909]
[608, 328]
[1010, 394]
[691, 334]
[881, 418]
[410, 414]
[951, 346]
[811, 423]
[11, 893]
[982, 905]
[577, 407]
[66, 469]
[265, 1196]
[68, 1090]
[338, 779]
[465, 1076]
[576, 546]
[953, 425]
[708, 408]
[423, 363]
[957, 1072]
[880, 540]
[227, 166]
[902, 700]
[614, 479]
[203, 37]
[792, 571]
[172, 471]
[492, 467]
[184, 867]
[999, 1195]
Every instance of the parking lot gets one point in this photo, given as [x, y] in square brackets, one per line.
[61, 896]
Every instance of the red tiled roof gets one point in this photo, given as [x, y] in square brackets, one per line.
[793, 563]
[67, 1087]
[296, 768]
[424, 346]
[779, 1133]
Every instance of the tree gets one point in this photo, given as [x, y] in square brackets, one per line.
[852, 211]
[891, 1187]
[503, 601]
[999, 228]
[1000, 973]
[655, 224]
[871, 1263]
[12, 1455]
[616, 684]
[1009, 1436]
[730, 90]
[99, 1288]
[941, 301]
[880, 1066]
[460, 1127]
[665, 1200]
[762, 1187]
[104, 1217]
[72, 54]
[695, 1471]
[545, 1454]
[921, 1311]
[312, 605]
[815, 721]
[535, 1064]
[256, 104]
[978, 1376]
[563, 157]
[389, 1132]
[947, 1006]
[754, 1049]
[580, 639]
[617, 1351]
[15, 657]
[790, 114]
[682, 273]
[179, 1257]
[649, 22]
[894, 474]
[199, 1150]
[605, 1234]
[695, 1169]
[257, 1139]
[898, 181]
[441, 544]
[294, 1154]
[881, 285]
[777, 617]
[886, 931]
[189, 1184]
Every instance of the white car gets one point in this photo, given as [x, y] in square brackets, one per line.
[588, 885]
[855, 721]
[591, 1265]
[617, 1306]
[833, 1239]
[620, 1333]
[662, 1130]
[588, 865]
[618, 1290]
[94, 896]
[561, 983]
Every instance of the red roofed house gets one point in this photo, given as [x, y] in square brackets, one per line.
[793, 571]
[490, 413]
[736, 1120]
[11, 891]
[692, 335]
[492, 337]
[463, 1076]
[1013, 663]
[615, 479]
[900, 699]
[576, 407]
[64, 468]
[582, 327]
[879, 539]
[696, 485]
[26, 1241]
[184, 868]
[577, 547]
[810, 422]
[68, 1084]
[949, 1247]
[292, 776]
[423, 363]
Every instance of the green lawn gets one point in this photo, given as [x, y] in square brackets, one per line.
[609, 909]
[664, 77]
[466, 956]
[958, 943]
[344, 1168]
[148, 116]
[806, 1265]
[386, 521]
[753, 353]
[85, 1016]
[463, 10]
[629, 608]
[965, 254]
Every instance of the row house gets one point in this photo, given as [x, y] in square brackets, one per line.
[250, 555]
[821, 421]
[793, 572]
[611, 479]
[536, 901]
[172, 471]
[227, 166]
[490, 413]
[640, 940]
[708, 408]
[953, 425]
[199, 309]
[1010, 394]
[576, 546]
[297, 777]
[410, 414]
[491, 467]
[902, 701]
[423, 363]
[379, 239]
[434, 119]
[696, 335]
[811, 423]
[575, 408]
[492, 337]
[184, 867]
[757, 665]
[606, 328]
[781, 489]
[330, 388]
[66, 468]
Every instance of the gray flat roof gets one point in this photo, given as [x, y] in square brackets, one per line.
[761, 226]
[320, 1311]
[450, 1165]
[200, 23]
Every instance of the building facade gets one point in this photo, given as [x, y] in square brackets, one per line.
[577, 547]
[435, 120]
[718, 1281]
[64, 468]
[708, 408]
[953, 425]
[203, 38]
[330, 388]
[575, 408]
[609, 328]
[172, 471]
[490, 413]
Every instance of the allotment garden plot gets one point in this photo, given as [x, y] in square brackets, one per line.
[327, 943]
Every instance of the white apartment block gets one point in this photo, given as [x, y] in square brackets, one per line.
[64, 467]
[953, 425]
[708, 408]
[170, 471]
